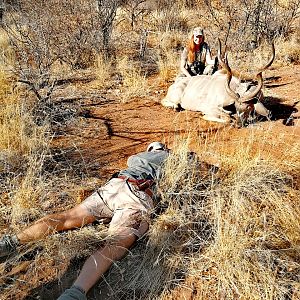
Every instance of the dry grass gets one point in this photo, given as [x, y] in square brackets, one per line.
[172, 18]
[169, 55]
[23, 145]
[7, 56]
[256, 247]
[103, 71]
[18, 133]
[27, 193]
[254, 215]
[167, 67]
[246, 61]
[134, 81]
[288, 51]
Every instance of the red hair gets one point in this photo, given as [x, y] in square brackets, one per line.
[191, 46]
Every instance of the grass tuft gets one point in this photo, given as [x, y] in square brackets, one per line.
[103, 71]
[134, 81]
[23, 146]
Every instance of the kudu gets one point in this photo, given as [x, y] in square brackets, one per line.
[213, 95]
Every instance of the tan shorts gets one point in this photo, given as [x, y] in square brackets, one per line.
[123, 205]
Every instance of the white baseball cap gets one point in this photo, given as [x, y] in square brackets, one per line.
[198, 31]
[156, 146]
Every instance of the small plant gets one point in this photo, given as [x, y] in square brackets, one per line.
[168, 66]
[103, 71]
[7, 55]
[288, 51]
[134, 81]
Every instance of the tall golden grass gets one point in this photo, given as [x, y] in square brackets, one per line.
[7, 55]
[134, 80]
[169, 56]
[288, 51]
[23, 146]
[103, 71]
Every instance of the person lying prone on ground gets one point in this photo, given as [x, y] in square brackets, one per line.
[126, 201]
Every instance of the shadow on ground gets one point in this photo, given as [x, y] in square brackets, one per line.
[279, 110]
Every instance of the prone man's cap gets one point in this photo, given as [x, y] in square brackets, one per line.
[156, 146]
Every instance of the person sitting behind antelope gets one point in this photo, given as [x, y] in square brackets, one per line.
[196, 57]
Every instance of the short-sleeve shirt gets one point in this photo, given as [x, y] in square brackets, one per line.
[145, 165]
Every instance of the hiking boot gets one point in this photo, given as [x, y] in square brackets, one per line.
[8, 245]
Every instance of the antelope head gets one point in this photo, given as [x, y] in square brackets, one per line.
[249, 100]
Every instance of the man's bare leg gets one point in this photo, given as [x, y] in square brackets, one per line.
[99, 262]
[73, 218]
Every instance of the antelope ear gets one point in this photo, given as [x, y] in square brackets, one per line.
[261, 110]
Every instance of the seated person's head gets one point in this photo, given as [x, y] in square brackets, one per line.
[198, 35]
